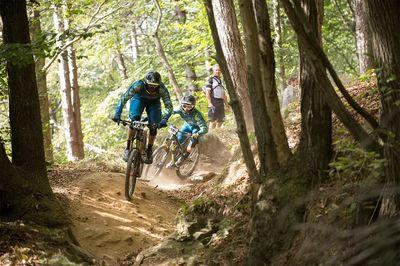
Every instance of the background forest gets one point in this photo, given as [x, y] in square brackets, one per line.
[328, 165]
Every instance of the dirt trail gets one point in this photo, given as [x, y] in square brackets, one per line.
[110, 227]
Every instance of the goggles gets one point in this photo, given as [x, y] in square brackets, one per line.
[187, 106]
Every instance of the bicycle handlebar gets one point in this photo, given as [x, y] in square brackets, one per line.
[134, 124]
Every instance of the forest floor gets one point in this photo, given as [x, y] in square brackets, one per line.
[108, 226]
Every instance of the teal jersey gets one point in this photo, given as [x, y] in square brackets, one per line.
[194, 119]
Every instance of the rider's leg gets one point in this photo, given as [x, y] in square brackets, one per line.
[153, 110]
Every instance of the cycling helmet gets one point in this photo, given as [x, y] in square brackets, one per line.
[188, 103]
[152, 78]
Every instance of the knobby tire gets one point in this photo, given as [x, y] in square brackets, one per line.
[131, 173]
[159, 159]
[190, 163]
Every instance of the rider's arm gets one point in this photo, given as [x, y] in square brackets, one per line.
[201, 122]
[167, 101]
[132, 90]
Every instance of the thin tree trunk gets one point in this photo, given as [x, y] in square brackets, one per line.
[279, 44]
[134, 44]
[167, 65]
[316, 116]
[42, 89]
[268, 80]
[364, 43]
[65, 91]
[262, 122]
[234, 99]
[232, 46]
[75, 98]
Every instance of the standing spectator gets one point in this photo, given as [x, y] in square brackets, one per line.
[216, 99]
[290, 93]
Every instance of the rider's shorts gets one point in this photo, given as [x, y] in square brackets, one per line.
[218, 112]
[152, 107]
[187, 129]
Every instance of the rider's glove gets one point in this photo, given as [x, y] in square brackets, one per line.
[116, 119]
[195, 136]
[163, 123]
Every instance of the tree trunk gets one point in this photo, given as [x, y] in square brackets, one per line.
[42, 89]
[316, 116]
[229, 36]
[262, 121]
[319, 65]
[279, 44]
[25, 191]
[72, 142]
[234, 99]
[134, 44]
[268, 80]
[364, 42]
[24, 108]
[119, 57]
[75, 98]
[384, 23]
[167, 66]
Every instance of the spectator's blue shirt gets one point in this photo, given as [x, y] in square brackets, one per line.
[194, 119]
[139, 90]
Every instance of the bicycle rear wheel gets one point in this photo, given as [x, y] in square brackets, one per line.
[159, 158]
[131, 173]
[189, 164]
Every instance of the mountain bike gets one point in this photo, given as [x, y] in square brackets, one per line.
[134, 165]
[172, 149]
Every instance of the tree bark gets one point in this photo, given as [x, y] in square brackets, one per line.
[316, 116]
[234, 99]
[279, 44]
[229, 35]
[41, 79]
[319, 62]
[134, 44]
[75, 98]
[363, 38]
[385, 22]
[268, 80]
[24, 108]
[72, 142]
[25, 192]
[267, 152]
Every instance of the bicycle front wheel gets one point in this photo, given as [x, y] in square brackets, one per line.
[159, 158]
[131, 173]
[189, 164]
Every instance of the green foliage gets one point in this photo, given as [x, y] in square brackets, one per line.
[354, 162]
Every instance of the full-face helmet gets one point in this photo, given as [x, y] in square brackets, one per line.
[152, 80]
[188, 103]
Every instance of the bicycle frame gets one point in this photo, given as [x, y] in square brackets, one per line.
[172, 143]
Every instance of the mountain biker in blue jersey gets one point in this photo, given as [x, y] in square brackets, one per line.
[194, 124]
[146, 94]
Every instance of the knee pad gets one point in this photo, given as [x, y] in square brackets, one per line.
[153, 129]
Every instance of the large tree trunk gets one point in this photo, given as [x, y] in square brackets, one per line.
[24, 108]
[316, 116]
[268, 79]
[225, 17]
[385, 22]
[42, 89]
[235, 104]
[364, 42]
[261, 117]
[25, 192]
[71, 137]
